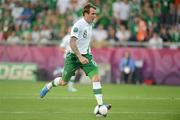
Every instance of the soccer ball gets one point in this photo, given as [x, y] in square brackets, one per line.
[100, 110]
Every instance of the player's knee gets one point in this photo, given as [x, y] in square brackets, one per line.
[63, 83]
[96, 78]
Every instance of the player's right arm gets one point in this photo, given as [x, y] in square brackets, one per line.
[74, 48]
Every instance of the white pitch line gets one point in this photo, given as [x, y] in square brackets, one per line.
[89, 98]
[30, 112]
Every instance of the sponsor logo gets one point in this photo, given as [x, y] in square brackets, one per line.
[14, 71]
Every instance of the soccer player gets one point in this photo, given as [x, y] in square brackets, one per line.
[80, 55]
[64, 47]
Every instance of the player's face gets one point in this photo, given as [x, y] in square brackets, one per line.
[92, 15]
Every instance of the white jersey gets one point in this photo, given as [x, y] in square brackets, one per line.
[65, 44]
[83, 32]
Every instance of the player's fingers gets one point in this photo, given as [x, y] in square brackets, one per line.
[87, 61]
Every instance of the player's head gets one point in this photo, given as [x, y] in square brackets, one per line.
[89, 12]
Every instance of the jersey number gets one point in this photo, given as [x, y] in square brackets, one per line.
[85, 34]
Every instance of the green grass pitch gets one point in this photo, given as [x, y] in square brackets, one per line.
[19, 100]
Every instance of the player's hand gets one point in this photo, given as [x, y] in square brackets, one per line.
[83, 60]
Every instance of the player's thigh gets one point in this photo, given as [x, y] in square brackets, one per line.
[91, 68]
[70, 66]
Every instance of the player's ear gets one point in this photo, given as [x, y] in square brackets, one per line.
[85, 14]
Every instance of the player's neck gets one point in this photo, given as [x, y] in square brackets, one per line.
[86, 19]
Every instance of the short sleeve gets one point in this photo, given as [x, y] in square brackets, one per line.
[75, 31]
[65, 41]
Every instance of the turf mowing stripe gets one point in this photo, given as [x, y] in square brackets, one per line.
[87, 98]
[21, 112]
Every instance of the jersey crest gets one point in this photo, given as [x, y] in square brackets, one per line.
[75, 29]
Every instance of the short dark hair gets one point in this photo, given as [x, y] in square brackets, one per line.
[87, 7]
